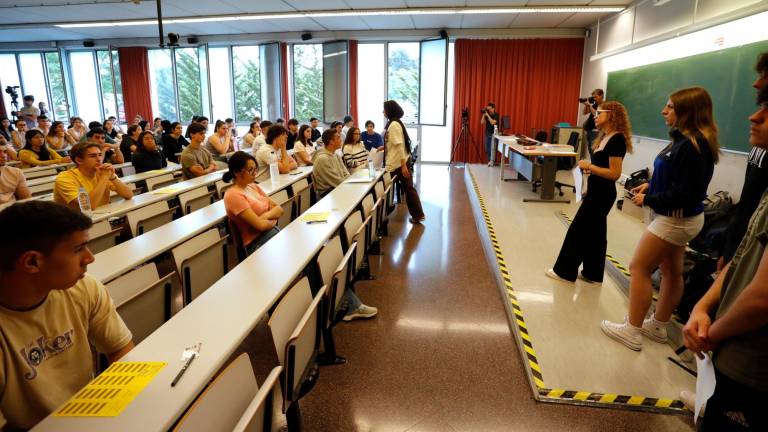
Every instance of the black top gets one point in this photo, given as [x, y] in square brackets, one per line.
[615, 147]
[148, 161]
[291, 140]
[755, 184]
[315, 135]
[488, 125]
[589, 124]
[125, 146]
[171, 146]
[112, 134]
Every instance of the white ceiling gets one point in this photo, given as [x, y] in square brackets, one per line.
[37, 16]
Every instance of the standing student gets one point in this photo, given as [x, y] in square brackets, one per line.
[196, 161]
[13, 185]
[147, 156]
[303, 148]
[36, 152]
[174, 143]
[738, 334]
[586, 240]
[353, 151]
[251, 210]
[97, 178]
[398, 154]
[372, 139]
[681, 175]
[489, 120]
[220, 143]
[51, 311]
[277, 138]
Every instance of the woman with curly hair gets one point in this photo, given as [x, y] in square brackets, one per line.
[586, 240]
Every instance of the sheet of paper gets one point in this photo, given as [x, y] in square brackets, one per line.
[705, 383]
[359, 180]
[315, 217]
[578, 182]
[112, 391]
[167, 190]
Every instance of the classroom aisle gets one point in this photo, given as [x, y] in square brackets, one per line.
[440, 355]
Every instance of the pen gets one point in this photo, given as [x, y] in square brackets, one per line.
[183, 369]
[316, 222]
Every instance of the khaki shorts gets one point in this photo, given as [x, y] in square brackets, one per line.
[678, 231]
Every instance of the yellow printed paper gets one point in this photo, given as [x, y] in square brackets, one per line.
[168, 189]
[315, 217]
[109, 393]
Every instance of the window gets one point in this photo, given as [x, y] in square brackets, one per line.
[403, 78]
[335, 81]
[9, 77]
[245, 66]
[371, 70]
[84, 85]
[432, 88]
[221, 83]
[436, 141]
[189, 85]
[107, 84]
[118, 87]
[162, 85]
[33, 77]
[59, 106]
[307, 81]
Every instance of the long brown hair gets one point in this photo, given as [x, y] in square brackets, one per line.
[693, 110]
[619, 121]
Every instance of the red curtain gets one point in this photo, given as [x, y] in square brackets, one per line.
[533, 81]
[352, 60]
[284, 79]
[134, 76]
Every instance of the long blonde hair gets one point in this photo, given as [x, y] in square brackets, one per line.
[693, 110]
[619, 121]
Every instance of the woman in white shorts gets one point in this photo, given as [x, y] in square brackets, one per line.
[681, 175]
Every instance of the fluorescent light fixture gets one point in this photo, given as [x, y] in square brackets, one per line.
[743, 31]
[353, 13]
[334, 54]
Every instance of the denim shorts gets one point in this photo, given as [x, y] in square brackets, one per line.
[678, 231]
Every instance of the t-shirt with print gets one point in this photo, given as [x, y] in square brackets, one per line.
[45, 356]
[69, 182]
[237, 200]
[11, 179]
[194, 156]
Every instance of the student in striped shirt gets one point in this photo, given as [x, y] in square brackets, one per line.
[354, 153]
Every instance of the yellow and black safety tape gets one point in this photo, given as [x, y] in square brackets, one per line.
[532, 365]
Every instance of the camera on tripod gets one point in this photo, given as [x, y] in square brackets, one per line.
[465, 113]
[13, 92]
[590, 99]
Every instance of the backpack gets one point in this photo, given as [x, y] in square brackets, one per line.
[637, 178]
[698, 278]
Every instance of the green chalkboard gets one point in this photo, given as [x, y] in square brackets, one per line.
[726, 74]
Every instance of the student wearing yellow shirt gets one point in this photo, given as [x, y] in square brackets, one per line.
[36, 153]
[97, 178]
[51, 312]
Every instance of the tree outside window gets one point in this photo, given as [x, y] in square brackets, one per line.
[308, 81]
[403, 78]
[59, 105]
[245, 64]
[188, 83]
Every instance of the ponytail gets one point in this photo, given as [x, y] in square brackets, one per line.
[228, 177]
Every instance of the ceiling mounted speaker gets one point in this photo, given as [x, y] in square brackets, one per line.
[88, 44]
[306, 36]
[443, 34]
[173, 39]
[192, 40]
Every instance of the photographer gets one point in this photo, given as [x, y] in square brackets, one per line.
[489, 119]
[590, 107]
[29, 112]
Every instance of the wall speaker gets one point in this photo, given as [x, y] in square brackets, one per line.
[306, 36]
[443, 34]
[89, 44]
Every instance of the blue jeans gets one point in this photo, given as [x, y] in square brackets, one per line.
[252, 246]
[489, 147]
[350, 302]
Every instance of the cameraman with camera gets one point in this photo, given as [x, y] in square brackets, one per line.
[489, 119]
[590, 107]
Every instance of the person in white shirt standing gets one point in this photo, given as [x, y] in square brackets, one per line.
[397, 156]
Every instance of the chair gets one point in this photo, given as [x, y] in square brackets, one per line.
[566, 163]
[148, 308]
[222, 187]
[127, 170]
[233, 401]
[41, 173]
[160, 181]
[128, 284]
[149, 217]
[237, 239]
[195, 199]
[355, 231]
[200, 262]
[371, 209]
[286, 202]
[42, 188]
[102, 236]
[302, 190]
[295, 326]
[334, 268]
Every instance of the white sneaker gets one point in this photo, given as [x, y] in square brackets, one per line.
[589, 281]
[550, 273]
[624, 332]
[490, 164]
[362, 312]
[654, 330]
[689, 400]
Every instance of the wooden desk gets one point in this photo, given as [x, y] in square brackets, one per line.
[520, 159]
[220, 318]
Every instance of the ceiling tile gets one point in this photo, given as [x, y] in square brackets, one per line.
[343, 23]
[541, 20]
[581, 20]
[305, 5]
[437, 21]
[293, 24]
[487, 21]
[388, 22]
[48, 34]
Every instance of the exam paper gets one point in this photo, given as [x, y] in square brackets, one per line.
[578, 182]
[705, 383]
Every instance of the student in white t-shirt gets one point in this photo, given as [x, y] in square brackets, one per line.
[51, 312]
[303, 148]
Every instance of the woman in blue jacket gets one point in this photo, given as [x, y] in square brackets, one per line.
[681, 175]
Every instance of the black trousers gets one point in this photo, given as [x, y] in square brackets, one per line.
[586, 240]
[411, 195]
[735, 407]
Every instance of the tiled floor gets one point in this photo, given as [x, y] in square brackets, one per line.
[440, 355]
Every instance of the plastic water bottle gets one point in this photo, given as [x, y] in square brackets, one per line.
[371, 169]
[274, 171]
[84, 200]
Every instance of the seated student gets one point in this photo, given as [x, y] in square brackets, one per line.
[196, 161]
[130, 141]
[43, 124]
[346, 125]
[253, 212]
[90, 173]
[316, 134]
[52, 312]
[13, 185]
[157, 127]
[303, 147]
[280, 122]
[372, 139]
[77, 128]
[58, 138]
[110, 129]
[173, 142]
[277, 137]
[354, 153]
[232, 128]
[194, 120]
[36, 153]
[18, 136]
[7, 148]
[328, 169]
[148, 156]
[220, 143]
[96, 125]
[254, 130]
[293, 133]
[5, 128]
[111, 152]
[261, 139]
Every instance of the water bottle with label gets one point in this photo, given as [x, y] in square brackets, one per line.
[84, 200]
[274, 171]
[371, 169]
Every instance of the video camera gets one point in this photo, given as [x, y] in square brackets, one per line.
[590, 99]
[465, 113]
[11, 90]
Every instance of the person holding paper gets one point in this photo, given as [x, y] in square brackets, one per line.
[586, 240]
[51, 312]
[738, 335]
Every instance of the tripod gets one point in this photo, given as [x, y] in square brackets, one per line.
[464, 140]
